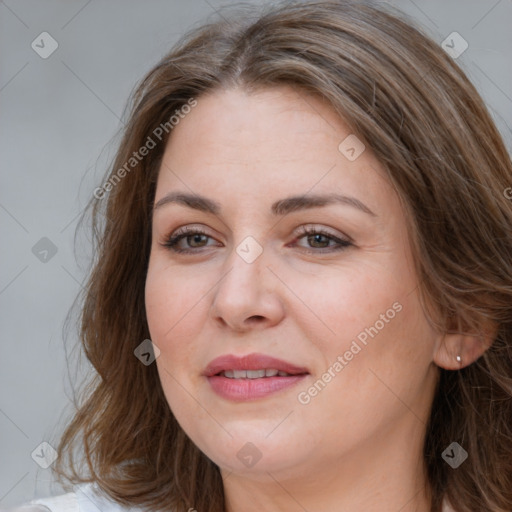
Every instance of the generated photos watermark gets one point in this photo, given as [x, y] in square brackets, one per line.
[137, 156]
[305, 397]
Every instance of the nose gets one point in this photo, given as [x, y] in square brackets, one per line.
[248, 296]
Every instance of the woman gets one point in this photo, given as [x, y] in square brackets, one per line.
[306, 230]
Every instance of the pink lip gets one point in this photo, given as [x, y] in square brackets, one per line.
[251, 362]
[240, 390]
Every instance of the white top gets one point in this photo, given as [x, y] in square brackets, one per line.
[88, 498]
[84, 498]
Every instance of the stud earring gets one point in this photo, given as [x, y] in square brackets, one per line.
[459, 359]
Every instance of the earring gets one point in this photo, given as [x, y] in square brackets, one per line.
[459, 359]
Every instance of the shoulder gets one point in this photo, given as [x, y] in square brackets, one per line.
[84, 498]
[447, 506]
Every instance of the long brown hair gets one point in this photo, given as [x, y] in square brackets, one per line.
[427, 125]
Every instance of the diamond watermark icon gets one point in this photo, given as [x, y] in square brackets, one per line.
[454, 455]
[249, 455]
[44, 455]
[249, 249]
[351, 147]
[147, 352]
[44, 250]
[44, 45]
[455, 45]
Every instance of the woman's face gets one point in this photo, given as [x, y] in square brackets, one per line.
[339, 305]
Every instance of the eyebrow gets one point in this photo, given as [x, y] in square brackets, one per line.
[281, 207]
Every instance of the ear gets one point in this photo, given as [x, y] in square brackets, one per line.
[469, 347]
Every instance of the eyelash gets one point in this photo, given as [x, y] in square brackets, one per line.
[172, 240]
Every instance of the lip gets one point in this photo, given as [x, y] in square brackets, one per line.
[251, 362]
[241, 390]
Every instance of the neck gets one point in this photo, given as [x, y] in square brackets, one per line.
[381, 474]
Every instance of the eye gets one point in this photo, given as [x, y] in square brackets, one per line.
[321, 238]
[190, 235]
[196, 238]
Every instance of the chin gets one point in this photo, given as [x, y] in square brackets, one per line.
[252, 451]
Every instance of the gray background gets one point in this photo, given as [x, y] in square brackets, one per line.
[57, 120]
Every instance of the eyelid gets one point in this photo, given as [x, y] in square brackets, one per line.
[327, 230]
[188, 228]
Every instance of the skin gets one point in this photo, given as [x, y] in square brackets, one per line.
[357, 445]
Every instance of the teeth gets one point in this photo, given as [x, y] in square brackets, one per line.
[253, 374]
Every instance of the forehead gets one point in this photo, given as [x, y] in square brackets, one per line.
[277, 139]
[238, 123]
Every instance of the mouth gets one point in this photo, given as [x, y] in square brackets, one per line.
[252, 376]
[251, 366]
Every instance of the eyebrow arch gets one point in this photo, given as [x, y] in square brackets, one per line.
[281, 207]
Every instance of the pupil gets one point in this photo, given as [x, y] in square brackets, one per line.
[196, 238]
[316, 238]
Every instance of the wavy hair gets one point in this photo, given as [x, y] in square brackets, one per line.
[427, 125]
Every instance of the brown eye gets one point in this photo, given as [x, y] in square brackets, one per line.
[194, 238]
[316, 239]
[320, 239]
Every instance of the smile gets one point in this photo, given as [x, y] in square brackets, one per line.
[253, 374]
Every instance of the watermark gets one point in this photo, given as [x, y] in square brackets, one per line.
[508, 193]
[454, 455]
[351, 147]
[44, 455]
[249, 249]
[44, 250]
[44, 45]
[304, 397]
[146, 352]
[149, 144]
[454, 45]
[249, 454]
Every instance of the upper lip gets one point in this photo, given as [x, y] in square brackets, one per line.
[251, 362]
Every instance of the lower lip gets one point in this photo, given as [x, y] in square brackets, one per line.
[241, 390]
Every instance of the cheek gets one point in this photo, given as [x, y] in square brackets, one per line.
[366, 385]
[335, 305]
[171, 296]
[173, 303]
[373, 319]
